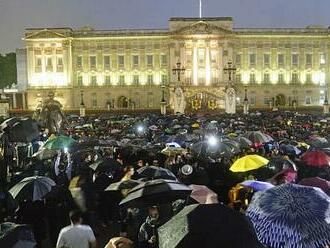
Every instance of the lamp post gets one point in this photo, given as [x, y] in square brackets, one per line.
[178, 70]
[246, 102]
[179, 101]
[163, 100]
[82, 109]
[326, 102]
[230, 101]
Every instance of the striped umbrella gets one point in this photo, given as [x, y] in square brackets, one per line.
[32, 188]
[291, 216]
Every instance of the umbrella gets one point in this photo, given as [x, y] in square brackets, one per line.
[258, 137]
[316, 158]
[317, 142]
[16, 236]
[127, 184]
[171, 151]
[33, 188]
[204, 149]
[203, 194]
[207, 225]
[318, 183]
[291, 216]
[21, 129]
[244, 142]
[248, 163]
[257, 185]
[154, 172]
[278, 164]
[107, 164]
[290, 149]
[59, 142]
[286, 175]
[155, 192]
[44, 154]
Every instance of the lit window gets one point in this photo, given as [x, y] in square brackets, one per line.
[106, 62]
[59, 67]
[252, 59]
[164, 79]
[309, 59]
[121, 60]
[266, 78]
[266, 59]
[252, 78]
[80, 81]
[136, 79]
[121, 80]
[280, 78]
[308, 78]
[79, 61]
[107, 80]
[163, 60]
[135, 59]
[295, 78]
[49, 65]
[295, 59]
[238, 59]
[93, 81]
[201, 56]
[150, 79]
[92, 61]
[150, 60]
[280, 59]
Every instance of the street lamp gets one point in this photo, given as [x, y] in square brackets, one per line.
[246, 102]
[178, 70]
[82, 109]
[163, 101]
[326, 102]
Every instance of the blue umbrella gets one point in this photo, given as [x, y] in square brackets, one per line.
[257, 185]
[290, 149]
[291, 216]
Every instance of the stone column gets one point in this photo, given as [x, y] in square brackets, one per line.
[207, 65]
[195, 65]
[14, 101]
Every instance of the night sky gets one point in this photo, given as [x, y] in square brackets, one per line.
[16, 15]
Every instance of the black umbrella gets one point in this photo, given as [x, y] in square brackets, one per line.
[45, 154]
[208, 225]
[19, 236]
[204, 149]
[21, 129]
[154, 172]
[32, 188]
[108, 164]
[155, 192]
[127, 184]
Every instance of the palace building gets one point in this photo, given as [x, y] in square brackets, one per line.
[125, 69]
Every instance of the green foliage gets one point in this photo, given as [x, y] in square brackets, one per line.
[8, 72]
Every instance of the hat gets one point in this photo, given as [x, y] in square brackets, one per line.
[187, 170]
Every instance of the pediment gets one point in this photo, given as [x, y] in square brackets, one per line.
[201, 27]
[45, 34]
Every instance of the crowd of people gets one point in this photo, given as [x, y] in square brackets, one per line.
[145, 178]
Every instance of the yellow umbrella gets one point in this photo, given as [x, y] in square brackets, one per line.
[248, 163]
[195, 125]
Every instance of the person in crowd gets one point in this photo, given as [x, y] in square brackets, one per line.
[76, 235]
[147, 236]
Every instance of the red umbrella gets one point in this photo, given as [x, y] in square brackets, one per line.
[316, 159]
[318, 183]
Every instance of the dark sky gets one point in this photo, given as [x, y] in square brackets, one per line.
[16, 15]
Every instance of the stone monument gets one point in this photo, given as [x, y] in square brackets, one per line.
[179, 102]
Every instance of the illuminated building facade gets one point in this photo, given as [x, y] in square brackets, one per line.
[126, 68]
